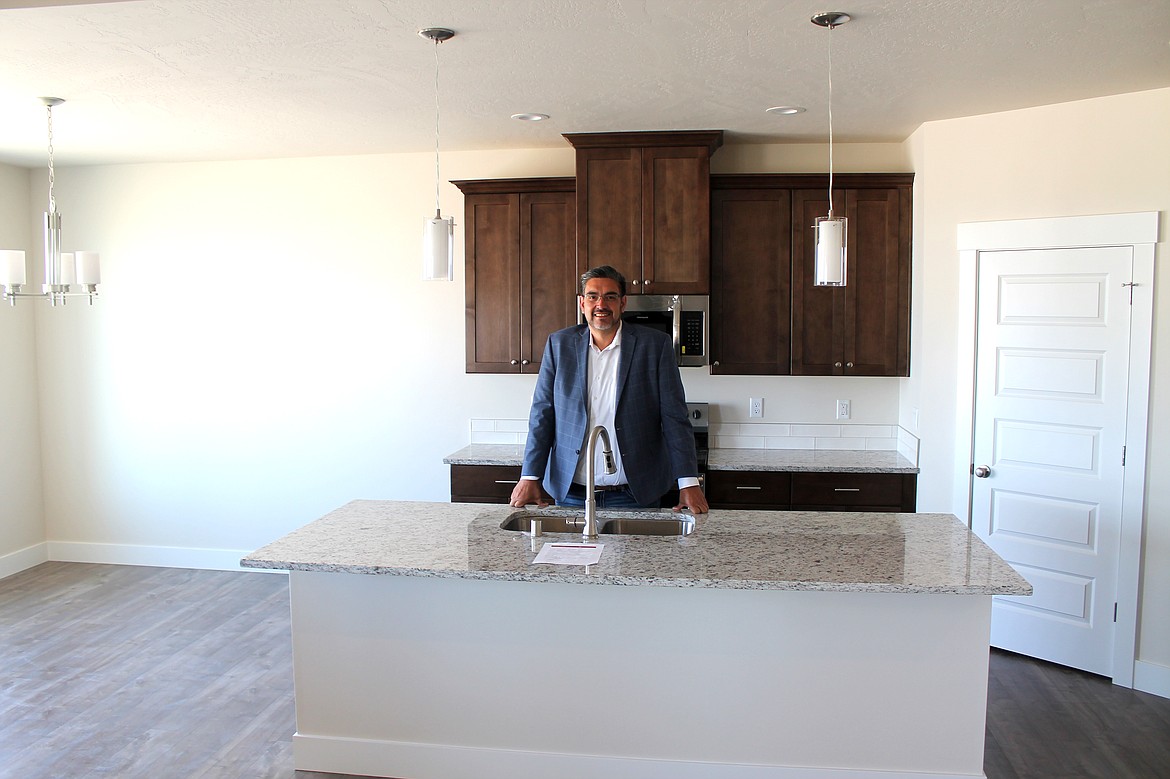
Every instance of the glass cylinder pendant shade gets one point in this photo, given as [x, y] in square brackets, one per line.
[12, 270]
[832, 235]
[439, 248]
[89, 270]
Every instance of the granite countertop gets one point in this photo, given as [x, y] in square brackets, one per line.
[812, 460]
[756, 550]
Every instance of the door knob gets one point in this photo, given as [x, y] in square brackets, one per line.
[634, 282]
[524, 362]
[982, 472]
[514, 362]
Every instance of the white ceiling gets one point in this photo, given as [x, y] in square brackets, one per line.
[151, 80]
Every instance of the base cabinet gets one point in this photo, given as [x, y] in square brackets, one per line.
[484, 483]
[807, 491]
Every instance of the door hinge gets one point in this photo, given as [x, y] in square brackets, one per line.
[1114, 612]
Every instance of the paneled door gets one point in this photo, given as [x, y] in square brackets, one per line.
[1051, 395]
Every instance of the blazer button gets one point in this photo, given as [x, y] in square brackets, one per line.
[577, 452]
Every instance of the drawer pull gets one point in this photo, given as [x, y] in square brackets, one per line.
[738, 487]
[505, 481]
[846, 489]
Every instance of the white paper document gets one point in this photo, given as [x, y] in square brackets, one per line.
[569, 554]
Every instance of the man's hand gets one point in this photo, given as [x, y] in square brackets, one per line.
[527, 492]
[691, 498]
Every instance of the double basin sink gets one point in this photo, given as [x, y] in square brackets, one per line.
[608, 523]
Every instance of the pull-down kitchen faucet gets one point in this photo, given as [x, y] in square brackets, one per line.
[590, 530]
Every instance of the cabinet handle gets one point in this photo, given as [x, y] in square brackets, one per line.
[741, 487]
[634, 282]
[846, 489]
[504, 481]
[836, 365]
[716, 363]
[848, 365]
[515, 362]
[646, 282]
[524, 362]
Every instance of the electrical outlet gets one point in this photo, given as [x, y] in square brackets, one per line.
[755, 408]
[842, 409]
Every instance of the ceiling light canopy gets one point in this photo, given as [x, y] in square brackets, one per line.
[785, 110]
[530, 117]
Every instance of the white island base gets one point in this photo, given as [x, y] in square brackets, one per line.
[457, 678]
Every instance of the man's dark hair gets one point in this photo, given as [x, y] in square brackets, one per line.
[603, 272]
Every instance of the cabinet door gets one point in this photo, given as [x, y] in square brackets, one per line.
[547, 271]
[750, 281]
[861, 329]
[676, 208]
[877, 310]
[485, 483]
[609, 211]
[493, 298]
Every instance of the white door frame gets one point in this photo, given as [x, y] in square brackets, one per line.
[1139, 230]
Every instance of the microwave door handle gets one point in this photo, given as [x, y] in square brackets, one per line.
[676, 330]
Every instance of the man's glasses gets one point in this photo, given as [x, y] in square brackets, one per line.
[608, 297]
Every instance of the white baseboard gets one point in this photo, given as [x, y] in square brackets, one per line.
[369, 757]
[1151, 678]
[155, 556]
[23, 559]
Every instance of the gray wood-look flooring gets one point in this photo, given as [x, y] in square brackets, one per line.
[123, 671]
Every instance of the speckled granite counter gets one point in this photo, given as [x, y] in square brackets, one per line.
[815, 460]
[761, 550]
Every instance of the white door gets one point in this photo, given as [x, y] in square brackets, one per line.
[1051, 389]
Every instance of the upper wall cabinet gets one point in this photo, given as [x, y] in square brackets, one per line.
[643, 206]
[768, 318]
[863, 328]
[520, 270]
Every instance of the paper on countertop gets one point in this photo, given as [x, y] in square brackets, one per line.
[569, 554]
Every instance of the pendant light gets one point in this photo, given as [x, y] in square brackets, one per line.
[832, 231]
[438, 231]
[63, 270]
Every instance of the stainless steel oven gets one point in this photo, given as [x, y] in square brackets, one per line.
[682, 317]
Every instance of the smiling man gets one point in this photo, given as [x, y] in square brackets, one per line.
[621, 376]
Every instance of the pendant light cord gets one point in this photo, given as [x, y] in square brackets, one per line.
[52, 199]
[831, 26]
[437, 42]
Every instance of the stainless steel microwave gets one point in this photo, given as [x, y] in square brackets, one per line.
[683, 317]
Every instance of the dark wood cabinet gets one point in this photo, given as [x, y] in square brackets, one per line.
[854, 491]
[768, 318]
[751, 272]
[749, 489]
[520, 270]
[863, 328]
[643, 206]
[484, 483]
[808, 491]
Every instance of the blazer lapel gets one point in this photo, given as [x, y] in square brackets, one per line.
[629, 344]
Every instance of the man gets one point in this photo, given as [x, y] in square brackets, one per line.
[621, 376]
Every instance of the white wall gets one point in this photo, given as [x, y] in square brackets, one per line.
[22, 530]
[1101, 156]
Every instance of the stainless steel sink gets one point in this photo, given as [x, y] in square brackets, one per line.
[549, 523]
[611, 523]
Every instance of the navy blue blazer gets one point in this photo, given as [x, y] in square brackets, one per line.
[653, 431]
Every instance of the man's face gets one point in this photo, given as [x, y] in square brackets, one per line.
[602, 304]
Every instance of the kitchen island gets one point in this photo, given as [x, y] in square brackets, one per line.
[428, 645]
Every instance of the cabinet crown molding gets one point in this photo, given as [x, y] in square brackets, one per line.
[712, 139]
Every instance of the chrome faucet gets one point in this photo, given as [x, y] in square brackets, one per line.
[590, 531]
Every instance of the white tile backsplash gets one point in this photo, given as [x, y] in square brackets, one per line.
[748, 435]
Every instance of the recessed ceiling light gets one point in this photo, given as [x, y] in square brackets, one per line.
[530, 117]
[784, 110]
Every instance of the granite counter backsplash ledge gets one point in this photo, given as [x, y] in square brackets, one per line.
[808, 460]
